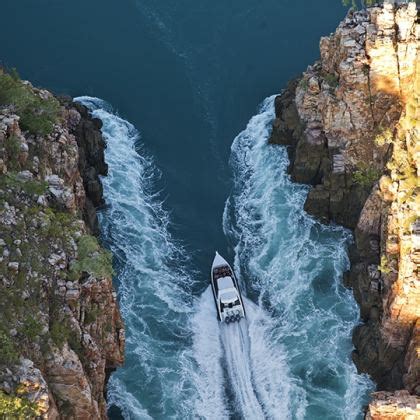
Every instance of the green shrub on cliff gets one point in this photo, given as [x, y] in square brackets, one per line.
[331, 79]
[403, 166]
[37, 115]
[365, 175]
[19, 408]
[364, 3]
[408, 222]
[348, 3]
[33, 186]
[12, 147]
[303, 83]
[31, 328]
[8, 353]
[59, 333]
[92, 258]
[91, 315]
[401, 160]
[384, 266]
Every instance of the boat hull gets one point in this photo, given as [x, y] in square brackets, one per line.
[221, 269]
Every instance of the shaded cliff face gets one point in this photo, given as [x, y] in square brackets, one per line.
[61, 332]
[352, 122]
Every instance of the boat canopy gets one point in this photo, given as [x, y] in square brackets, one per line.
[225, 283]
[226, 292]
[228, 297]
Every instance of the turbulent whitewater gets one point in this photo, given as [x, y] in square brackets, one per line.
[179, 362]
[154, 291]
[290, 357]
[293, 266]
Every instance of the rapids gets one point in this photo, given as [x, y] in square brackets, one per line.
[188, 74]
[291, 357]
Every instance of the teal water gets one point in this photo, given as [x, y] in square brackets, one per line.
[188, 73]
[185, 77]
[293, 267]
[291, 357]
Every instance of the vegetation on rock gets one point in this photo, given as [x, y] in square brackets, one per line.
[384, 266]
[56, 296]
[92, 258]
[331, 79]
[12, 148]
[364, 3]
[12, 181]
[366, 175]
[8, 353]
[37, 114]
[16, 408]
[303, 84]
[368, 131]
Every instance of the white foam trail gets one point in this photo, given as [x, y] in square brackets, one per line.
[257, 367]
[154, 289]
[190, 379]
[257, 372]
[295, 266]
[237, 356]
[117, 393]
[207, 354]
[279, 250]
[275, 388]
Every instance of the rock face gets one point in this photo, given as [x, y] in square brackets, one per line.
[352, 124]
[61, 333]
[398, 405]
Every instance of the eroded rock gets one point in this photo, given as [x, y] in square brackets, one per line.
[352, 127]
[64, 325]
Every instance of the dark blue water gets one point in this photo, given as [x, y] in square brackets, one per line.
[189, 74]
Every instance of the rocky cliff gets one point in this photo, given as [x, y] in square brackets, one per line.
[352, 124]
[60, 333]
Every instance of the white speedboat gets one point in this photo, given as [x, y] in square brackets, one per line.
[227, 296]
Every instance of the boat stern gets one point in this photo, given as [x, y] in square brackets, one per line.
[234, 315]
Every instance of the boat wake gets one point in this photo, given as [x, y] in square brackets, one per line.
[257, 367]
[293, 266]
[154, 288]
[243, 362]
[290, 357]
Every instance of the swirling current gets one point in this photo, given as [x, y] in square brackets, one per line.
[291, 357]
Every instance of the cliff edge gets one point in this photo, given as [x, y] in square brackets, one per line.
[61, 332]
[352, 124]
